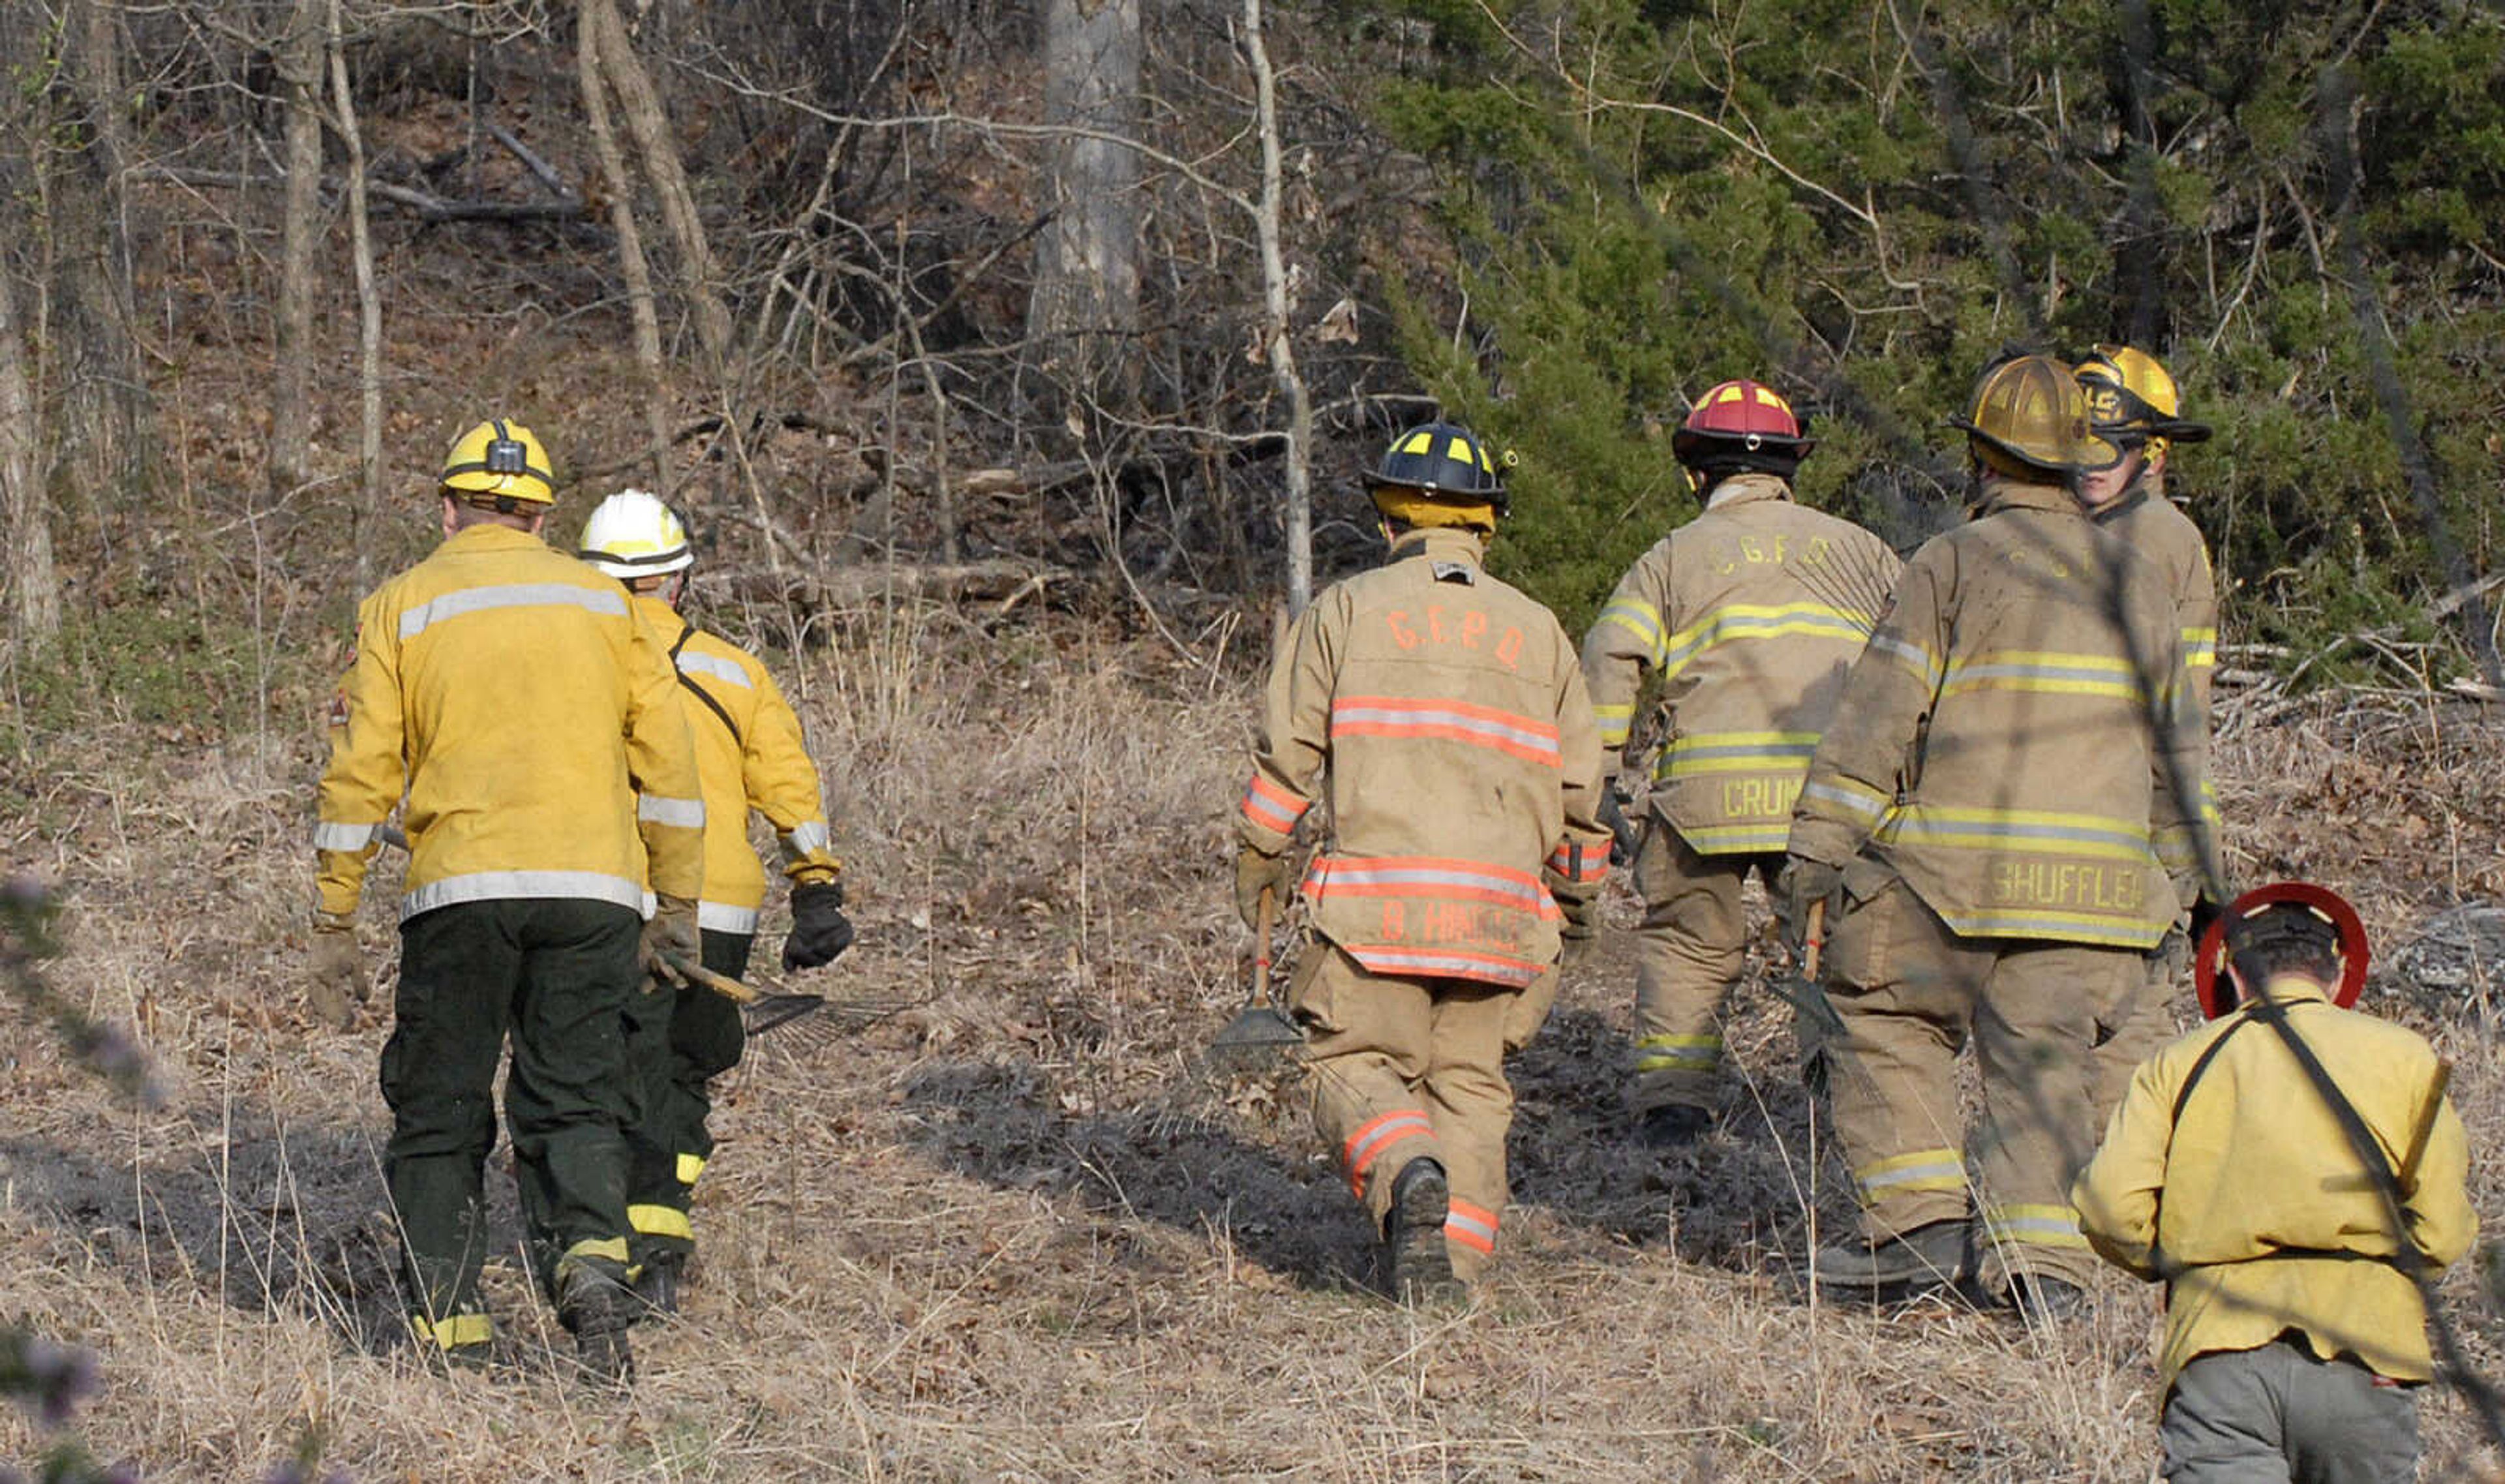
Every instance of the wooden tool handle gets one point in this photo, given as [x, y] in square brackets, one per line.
[1265, 922]
[719, 983]
[1814, 939]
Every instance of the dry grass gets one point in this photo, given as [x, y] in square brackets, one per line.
[1012, 1235]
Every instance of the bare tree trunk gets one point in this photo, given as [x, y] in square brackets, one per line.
[641, 105]
[1275, 309]
[103, 393]
[1084, 312]
[291, 416]
[630, 252]
[34, 585]
[369, 318]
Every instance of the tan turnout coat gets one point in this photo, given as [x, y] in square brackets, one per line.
[1445, 714]
[2005, 742]
[1752, 613]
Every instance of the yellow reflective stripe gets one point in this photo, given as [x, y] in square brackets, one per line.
[612, 1248]
[1615, 723]
[2034, 1225]
[1734, 622]
[1919, 1170]
[689, 1167]
[1731, 839]
[452, 1329]
[2108, 928]
[1739, 752]
[1637, 617]
[1420, 442]
[661, 1221]
[1917, 659]
[2037, 831]
[2044, 672]
[1680, 1053]
[1859, 800]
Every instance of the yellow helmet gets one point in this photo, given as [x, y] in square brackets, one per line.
[499, 459]
[2028, 419]
[2131, 400]
[632, 534]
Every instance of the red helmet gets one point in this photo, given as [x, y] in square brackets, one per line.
[2300, 907]
[1745, 423]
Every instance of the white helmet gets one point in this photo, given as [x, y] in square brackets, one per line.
[632, 534]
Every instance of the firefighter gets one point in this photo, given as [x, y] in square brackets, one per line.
[1443, 715]
[1989, 812]
[750, 756]
[522, 705]
[2292, 1255]
[2133, 405]
[1749, 615]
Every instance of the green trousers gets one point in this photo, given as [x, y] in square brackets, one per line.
[694, 1038]
[558, 976]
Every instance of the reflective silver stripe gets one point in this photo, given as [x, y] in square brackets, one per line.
[1342, 876]
[1455, 1221]
[1684, 749]
[1917, 824]
[684, 813]
[1912, 655]
[1449, 965]
[1528, 735]
[330, 836]
[526, 885]
[1951, 1168]
[2118, 932]
[807, 837]
[719, 917]
[1853, 801]
[470, 600]
[720, 669]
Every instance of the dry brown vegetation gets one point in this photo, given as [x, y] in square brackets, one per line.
[1014, 1233]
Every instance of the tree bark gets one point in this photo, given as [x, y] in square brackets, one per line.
[1277, 307]
[369, 317]
[291, 416]
[1084, 311]
[640, 103]
[103, 406]
[34, 585]
[630, 253]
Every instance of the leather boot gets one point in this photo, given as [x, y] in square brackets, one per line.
[597, 1308]
[1929, 1256]
[1417, 1265]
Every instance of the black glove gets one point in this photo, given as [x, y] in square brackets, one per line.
[1625, 834]
[820, 929]
[1803, 884]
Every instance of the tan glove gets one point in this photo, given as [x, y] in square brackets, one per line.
[339, 981]
[669, 937]
[1255, 871]
[1803, 884]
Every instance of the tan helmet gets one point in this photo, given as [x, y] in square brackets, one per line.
[2028, 419]
[499, 462]
[2131, 400]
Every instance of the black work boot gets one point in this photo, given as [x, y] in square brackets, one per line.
[1920, 1261]
[597, 1308]
[656, 1282]
[2040, 1298]
[1417, 1265]
[1674, 1125]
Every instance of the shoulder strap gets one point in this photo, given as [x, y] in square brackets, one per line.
[2201, 1065]
[686, 633]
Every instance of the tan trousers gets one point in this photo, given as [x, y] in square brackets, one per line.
[1910, 992]
[1405, 1069]
[1690, 950]
[2130, 1033]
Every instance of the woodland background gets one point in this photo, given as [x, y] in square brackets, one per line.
[1015, 364]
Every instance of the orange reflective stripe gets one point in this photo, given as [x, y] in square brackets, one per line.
[1271, 806]
[1446, 964]
[1578, 863]
[1385, 716]
[1470, 1226]
[1432, 877]
[1376, 1135]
